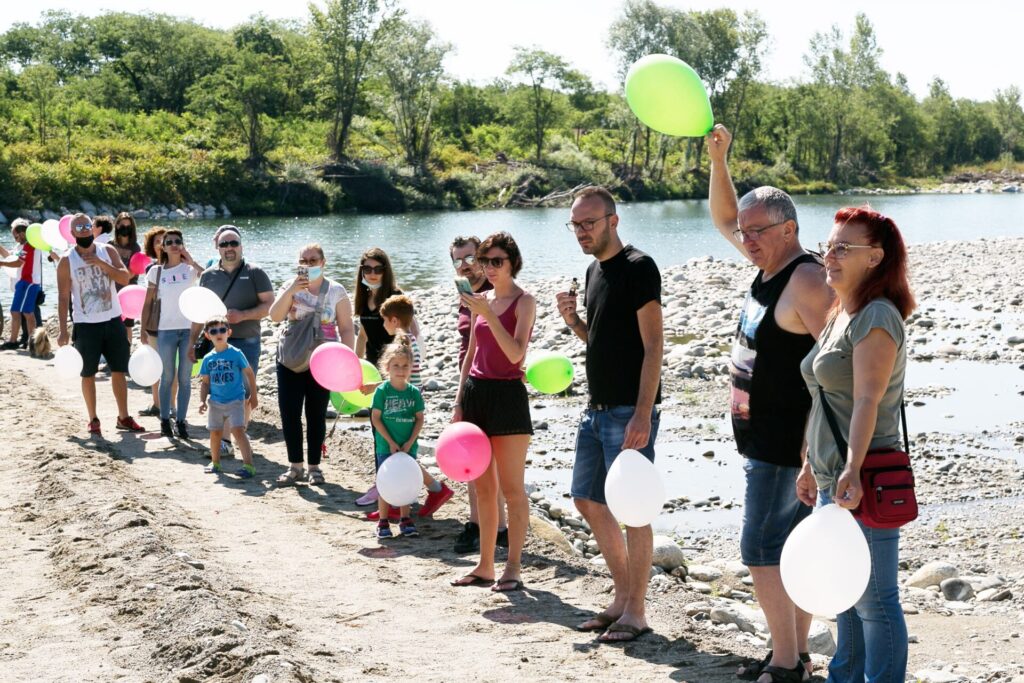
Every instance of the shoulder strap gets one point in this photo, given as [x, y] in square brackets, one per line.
[234, 277]
[159, 272]
[837, 435]
[318, 330]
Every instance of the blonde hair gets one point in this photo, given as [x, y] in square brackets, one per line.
[402, 346]
[317, 247]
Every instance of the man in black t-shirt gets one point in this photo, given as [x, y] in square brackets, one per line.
[624, 337]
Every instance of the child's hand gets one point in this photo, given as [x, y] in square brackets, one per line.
[202, 408]
[393, 446]
[254, 400]
[367, 389]
[407, 446]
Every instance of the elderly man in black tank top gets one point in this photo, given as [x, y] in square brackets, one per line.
[783, 314]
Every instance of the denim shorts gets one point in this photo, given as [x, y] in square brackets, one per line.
[770, 511]
[598, 443]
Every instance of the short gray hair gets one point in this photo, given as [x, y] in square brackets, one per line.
[777, 204]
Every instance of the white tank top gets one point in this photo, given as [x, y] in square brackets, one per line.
[92, 290]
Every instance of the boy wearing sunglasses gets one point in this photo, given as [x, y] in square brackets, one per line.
[224, 374]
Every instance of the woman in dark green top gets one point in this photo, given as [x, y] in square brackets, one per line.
[859, 362]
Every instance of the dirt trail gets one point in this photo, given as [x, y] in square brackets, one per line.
[124, 561]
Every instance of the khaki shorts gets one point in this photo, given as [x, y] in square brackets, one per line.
[225, 416]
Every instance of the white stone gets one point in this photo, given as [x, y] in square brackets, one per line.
[935, 676]
[667, 553]
[932, 574]
[703, 572]
[744, 618]
[819, 640]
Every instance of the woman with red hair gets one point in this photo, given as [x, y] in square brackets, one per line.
[858, 366]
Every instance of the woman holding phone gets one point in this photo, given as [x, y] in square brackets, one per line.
[298, 392]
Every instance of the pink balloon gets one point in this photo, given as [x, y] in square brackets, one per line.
[132, 297]
[65, 229]
[463, 451]
[138, 262]
[336, 367]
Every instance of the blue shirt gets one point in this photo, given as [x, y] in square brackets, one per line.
[226, 370]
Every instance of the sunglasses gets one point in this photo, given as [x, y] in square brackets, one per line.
[468, 260]
[171, 242]
[493, 262]
[229, 243]
[216, 330]
[81, 228]
[376, 270]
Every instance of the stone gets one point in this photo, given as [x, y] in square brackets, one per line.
[692, 609]
[88, 208]
[700, 587]
[667, 553]
[994, 595]
[819, 639]
[702, 572]
[556, 512]
[1015, 340]
[3, 219]
[224, 211]
[956, 589]
[744, 618]
[932, 574]
[936, 676]
[141, 214]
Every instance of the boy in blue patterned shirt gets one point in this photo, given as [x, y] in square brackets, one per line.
[224, 372]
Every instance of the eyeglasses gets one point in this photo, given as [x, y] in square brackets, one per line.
[171, 242]
[376, 270]
[216, 330]
[81, 228]
[229, 243]
[493, 262]
[308, 261]
[753, 234]
[468, 260]
[585, 226]
[840, 250]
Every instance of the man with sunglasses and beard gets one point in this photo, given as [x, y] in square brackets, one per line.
[247, 293]
[88, 274]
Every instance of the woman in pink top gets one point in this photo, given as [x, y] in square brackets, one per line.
[492, 396]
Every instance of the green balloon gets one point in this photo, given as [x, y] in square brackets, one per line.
[666, 94]
[343, 406]
[195, 367]
[358, 398]
[550, 374]
[34, 235]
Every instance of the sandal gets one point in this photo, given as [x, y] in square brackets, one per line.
[475, 581]
[753, 669]
[633, 632]
[780, 675]
[290, 477]
[601, 622]
[316, 478]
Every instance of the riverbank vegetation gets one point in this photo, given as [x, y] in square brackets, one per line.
[351, 108]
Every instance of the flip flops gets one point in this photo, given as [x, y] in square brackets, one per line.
[602, 622]
[476, 581]
[513, 585]
[633, 632]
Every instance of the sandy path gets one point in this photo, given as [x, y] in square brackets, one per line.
[130, 563]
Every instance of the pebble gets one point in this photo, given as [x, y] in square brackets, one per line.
[956, 589]
[702, 572]
[667, 553]
[932, 574]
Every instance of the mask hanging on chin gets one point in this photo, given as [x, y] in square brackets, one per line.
[84, 242]
[368, 285]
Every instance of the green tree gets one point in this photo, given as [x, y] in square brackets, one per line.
[542, 73]
[1009, 119]
[41, 87]
[347, 32]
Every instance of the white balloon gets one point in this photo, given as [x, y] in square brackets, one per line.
[199, 304]
[633, 489]
[52, 236]
[68, 362]
[145, 366]
[399, 480]
[826, 563]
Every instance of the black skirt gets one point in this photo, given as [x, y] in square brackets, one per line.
[500, 407]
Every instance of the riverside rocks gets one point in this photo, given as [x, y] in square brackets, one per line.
[932, 574]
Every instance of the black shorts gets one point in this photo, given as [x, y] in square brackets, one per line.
[500, 407]
[102, 339]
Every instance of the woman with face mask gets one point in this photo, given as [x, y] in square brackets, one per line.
[126, 241]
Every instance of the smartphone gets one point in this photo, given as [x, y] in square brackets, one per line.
[462, 284]
[574, 287]
[302, 271]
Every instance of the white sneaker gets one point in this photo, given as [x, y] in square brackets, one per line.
[226, 449]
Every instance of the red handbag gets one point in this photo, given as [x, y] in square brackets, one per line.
[889, 500]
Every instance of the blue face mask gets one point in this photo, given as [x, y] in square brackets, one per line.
[315, 272]
[368, 285]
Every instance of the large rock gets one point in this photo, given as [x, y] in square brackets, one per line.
[932, 574]
[819, 640]
[703, 572]
[88, 208]
[956, 589]
[746, 619]
[667, 554]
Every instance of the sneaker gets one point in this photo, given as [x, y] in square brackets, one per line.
[247, 472]
[393, 514]
[368, 498]
[435, 499]
[226, 449]
[213, 468]
[129, 424]
[182, 429]
[407, 527]
[8, 346]
[468, 540]
[151, 411]
[502, 540]
[165, 429]
[94, 427]
[384, 529]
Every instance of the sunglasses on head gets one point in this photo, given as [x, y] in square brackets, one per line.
[229, 243]
[376, 270]
[172, 242]
[217, 330]
[494, 262]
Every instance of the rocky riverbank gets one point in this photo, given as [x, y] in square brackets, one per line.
[152, 212]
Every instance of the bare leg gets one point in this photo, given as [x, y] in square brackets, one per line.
[510, 455]
[242, 439]
[780, 613]
[120, 386]
[487, 508]
[473, 517]
[15, 326]
[215, 436]
[89, 394]
[30, 324]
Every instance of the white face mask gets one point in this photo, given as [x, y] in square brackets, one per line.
[368, 285]
[315, 272]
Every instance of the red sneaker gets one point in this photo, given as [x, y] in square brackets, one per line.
[393, 515]
[94, 427]
[129, 424]
[435, 499]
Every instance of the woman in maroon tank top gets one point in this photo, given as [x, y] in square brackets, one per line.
[492, 396]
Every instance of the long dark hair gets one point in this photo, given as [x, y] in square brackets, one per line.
[133, 236]
[388, 286]
[168, 233]
[889, 279]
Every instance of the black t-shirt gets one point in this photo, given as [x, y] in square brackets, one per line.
[615, 290]
[376, 336]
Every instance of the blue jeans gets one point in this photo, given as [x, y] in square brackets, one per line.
[173, 346]
[598, 443]
[250, 348]
[771, 511]
[872, 642]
